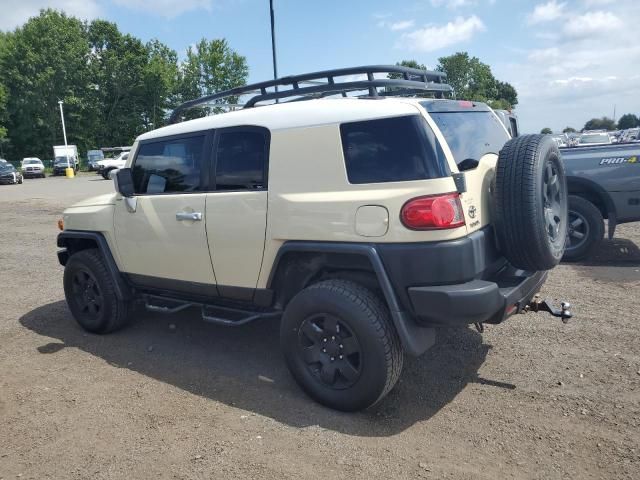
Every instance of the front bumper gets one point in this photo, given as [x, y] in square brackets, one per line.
[477, 301]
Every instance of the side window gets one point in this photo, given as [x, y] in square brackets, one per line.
[391, 150]
[169, 166]
[241, 160]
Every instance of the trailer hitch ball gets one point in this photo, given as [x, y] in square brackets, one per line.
[539, 305]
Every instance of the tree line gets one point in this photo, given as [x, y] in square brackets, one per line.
[472, 79]
[113, 85]
[628, 120]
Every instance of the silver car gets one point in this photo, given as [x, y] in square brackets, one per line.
[32, 167]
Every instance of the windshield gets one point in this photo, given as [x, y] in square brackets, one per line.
[61, 160]
[470, 135]
[604, 138]
[31, 162]
[6, 167]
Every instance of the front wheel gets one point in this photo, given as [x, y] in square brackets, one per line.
[90, 293]
[340, 345]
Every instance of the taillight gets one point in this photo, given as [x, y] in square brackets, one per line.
[433, 212]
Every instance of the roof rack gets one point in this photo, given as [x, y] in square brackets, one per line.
[409, 81]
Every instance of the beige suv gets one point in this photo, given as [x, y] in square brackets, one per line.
[363, 223]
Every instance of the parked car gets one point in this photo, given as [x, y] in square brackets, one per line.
[32, 167]
[9, 175]
[593, 139]
[604, 183]
[364, 225]
[93, 157]
[106, 166]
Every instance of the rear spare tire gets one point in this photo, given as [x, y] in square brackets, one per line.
[531, 202]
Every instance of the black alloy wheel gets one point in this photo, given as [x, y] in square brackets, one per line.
[87, 294]
[330, 350]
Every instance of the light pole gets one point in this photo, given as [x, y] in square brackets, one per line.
[64, 130]
[273, 45]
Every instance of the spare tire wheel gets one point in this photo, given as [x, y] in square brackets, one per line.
[531, 202]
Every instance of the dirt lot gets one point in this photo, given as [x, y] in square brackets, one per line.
[528, 399]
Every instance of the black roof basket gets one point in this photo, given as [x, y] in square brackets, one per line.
[409, 81]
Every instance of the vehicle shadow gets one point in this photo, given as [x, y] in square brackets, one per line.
[612, 253]
[243, 367]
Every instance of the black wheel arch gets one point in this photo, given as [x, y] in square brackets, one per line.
[299, 264]
[72, 241]
[594, 193]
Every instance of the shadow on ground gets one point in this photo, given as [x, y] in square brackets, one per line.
[616, 252]
[243, 367]
[618, 261]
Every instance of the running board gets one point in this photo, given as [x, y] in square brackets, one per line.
[216, 314]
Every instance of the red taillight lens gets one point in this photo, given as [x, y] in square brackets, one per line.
[433, 213]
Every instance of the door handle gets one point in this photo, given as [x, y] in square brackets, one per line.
[193, 216]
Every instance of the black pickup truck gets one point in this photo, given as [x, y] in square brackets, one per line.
[604, 183]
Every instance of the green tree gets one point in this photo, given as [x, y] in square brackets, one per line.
[210, 67]
[569, 130]
[546, 131]
[507, 92]
[118, 62]
[628, 120]
[603, 123]
[160, 82]
[44, 61]
[473, 80]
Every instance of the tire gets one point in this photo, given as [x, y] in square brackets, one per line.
[105, 174]
[90, 293]
[362, 356]
[585, 229]
[531, 203]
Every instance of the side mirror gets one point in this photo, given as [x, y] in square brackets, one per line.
[123, 181]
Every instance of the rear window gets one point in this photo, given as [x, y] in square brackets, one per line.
[391, 150]
[470, 135]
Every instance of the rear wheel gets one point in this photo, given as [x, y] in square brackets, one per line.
[90, 293]
[586, 229]
[531, 202]
[340, 345]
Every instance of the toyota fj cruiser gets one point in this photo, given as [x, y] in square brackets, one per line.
[364, 223]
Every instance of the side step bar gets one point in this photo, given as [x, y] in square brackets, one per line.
[217, 314]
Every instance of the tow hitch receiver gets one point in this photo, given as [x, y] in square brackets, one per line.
[539, 305]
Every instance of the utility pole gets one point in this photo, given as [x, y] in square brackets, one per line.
[64, 130]
[273, 45]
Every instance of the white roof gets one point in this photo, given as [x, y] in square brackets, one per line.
[296, 114]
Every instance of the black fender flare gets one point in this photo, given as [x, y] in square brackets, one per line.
[592, 186]
[415, 339]
[68, 241]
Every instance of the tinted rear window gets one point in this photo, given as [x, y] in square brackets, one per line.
[391, 150]
[471, 135]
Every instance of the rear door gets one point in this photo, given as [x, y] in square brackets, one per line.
[162, 243]
[236, 217]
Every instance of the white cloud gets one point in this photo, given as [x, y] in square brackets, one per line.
[401, 25]
[14, 14]
[435, 37]
[592, 23]
[166, 8]
[546, 12]
[453, 3]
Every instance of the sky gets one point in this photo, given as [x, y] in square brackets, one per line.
[570, 60]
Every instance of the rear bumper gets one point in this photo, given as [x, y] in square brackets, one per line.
[477, 301]
[458, 282]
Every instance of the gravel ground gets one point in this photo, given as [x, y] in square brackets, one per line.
[172, 397]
